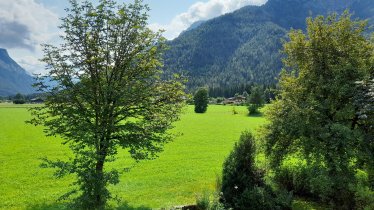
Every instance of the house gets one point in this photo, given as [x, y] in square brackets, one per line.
[36, 101]
[236, 100]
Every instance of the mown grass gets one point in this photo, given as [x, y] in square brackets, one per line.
[188, 166]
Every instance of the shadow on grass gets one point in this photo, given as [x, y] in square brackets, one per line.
[59, 206]
[259, 114]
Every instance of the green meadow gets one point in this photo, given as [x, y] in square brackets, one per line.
[187, 166]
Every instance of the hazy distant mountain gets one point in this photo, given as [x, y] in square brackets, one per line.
[243, 47]
[13, 78]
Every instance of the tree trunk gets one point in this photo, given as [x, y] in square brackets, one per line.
[99, 190]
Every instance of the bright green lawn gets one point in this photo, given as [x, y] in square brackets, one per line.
[188, 165]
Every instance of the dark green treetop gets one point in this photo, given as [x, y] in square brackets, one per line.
[255, 100]
[201, 100]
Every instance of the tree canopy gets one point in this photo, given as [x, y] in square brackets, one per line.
[255, 100]
[315, 115]
[201, 100]
[108, 94]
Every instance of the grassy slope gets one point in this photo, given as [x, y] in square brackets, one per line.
[188, 165]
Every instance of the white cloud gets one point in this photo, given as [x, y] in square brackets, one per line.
[201, 11]
[24, 25]
[32, 64]
[31, 22]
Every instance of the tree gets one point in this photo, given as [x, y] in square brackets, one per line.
[201, 100]
[19, 99]
[245, 95]
[315, 117]
[365, 103]
[108, 94]
[256, 100]
[243, 183]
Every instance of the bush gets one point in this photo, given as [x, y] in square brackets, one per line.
[253, 109]
[364, 196]
[312, 181]
[234, 112]
[303, 180]
[203, 201]
[243, 185]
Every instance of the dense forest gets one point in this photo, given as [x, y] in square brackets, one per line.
[243, 47]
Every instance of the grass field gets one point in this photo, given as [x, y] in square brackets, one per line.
[188, 165]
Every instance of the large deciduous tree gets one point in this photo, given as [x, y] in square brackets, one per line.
[107, 94]
[315, 116]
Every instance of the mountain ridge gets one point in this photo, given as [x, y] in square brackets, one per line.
[244, 46]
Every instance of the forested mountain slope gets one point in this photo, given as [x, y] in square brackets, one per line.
[244, 46]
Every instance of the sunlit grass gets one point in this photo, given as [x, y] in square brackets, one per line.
[188, 165]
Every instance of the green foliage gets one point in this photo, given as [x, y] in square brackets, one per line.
[109, 95]
[303, 180]
[201, 100]
[19, 99]
[209, 201]
[255, 100]
[364, 196]
[203, 201]
[315, 114]
[243, 185]
[364, 100]
[234, 112]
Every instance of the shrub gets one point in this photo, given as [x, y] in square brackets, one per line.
[303, 180]
[364, 196]
[312, 181]
[234, 112]
[243, 185]
[203, 201]
[253, 109]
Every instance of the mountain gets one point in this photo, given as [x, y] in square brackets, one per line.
[13, 78]
[243, 47]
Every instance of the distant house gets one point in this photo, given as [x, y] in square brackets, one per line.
[36, 101]
[237, 100]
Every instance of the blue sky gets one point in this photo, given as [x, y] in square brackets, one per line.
[162, 11]
[26, 24]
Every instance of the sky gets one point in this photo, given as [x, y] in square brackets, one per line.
[26, 24]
